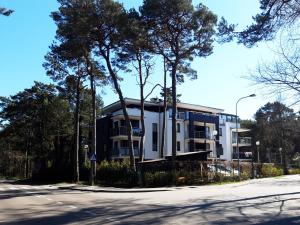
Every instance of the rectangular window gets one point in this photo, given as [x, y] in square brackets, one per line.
[178, 127]
[135, 144]
[154, 137]
[135, 123]
[124, 144]
[220, 131]
[178, 146]
[123, 123]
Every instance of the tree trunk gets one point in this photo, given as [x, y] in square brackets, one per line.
[174, 114]
[77, 144]
[124, 109]
[141, 155]
[93, 145]
[162, 147]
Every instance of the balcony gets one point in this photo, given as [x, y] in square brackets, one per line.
[243, 141]
[202, 135]
[122, 131]
[243, 155]
[124, 152]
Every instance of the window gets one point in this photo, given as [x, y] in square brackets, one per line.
[123, 123]
[135, 123]
[135, 144]
[154, 137]
[220, 131]
[178, 146]
[124, 144]
[116, 124]
[178, 127]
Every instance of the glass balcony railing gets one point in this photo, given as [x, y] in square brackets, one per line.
[123, 131]
[242, 140]
[124, 152]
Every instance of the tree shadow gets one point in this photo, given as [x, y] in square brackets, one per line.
[132, 212]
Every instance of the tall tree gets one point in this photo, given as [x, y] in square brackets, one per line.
[74, 22]
[274, 15]
[277, 127]
[136, 49]
[179, 32]
[67, 68]
[38, 123]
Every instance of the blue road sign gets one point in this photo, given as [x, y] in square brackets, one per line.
[93, 157]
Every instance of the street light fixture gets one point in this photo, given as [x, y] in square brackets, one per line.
[236, 130]
[257, 147]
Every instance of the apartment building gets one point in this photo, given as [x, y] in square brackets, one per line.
[199, 129]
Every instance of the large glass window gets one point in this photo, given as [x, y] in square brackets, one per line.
[178, 146]
[154, 137]
[178, 127]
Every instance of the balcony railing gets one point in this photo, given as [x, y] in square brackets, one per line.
[242, 140]
[243, 155]
[124, 152]
[122, 131]
[202, 135]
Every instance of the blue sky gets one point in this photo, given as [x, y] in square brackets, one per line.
[26, 35]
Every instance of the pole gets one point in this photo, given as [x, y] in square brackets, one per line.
[237, 134]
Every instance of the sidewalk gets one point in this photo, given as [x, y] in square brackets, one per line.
[78, 187]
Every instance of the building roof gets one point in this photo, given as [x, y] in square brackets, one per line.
[130, 101]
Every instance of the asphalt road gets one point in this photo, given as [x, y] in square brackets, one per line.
[264, 201]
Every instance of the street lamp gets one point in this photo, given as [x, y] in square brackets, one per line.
[257, 147]
[280, 151]
[236, 130]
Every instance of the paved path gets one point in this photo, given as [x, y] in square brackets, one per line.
[264, 201]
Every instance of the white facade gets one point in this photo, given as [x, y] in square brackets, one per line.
[205, 122]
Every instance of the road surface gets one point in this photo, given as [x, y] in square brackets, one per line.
[264, 201]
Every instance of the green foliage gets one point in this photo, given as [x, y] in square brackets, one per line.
[158, 179]
[5, 12]
[294, 171]
[274, 15]
[115, 173]
[269, 170]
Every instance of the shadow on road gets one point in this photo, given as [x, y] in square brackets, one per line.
[268, 209]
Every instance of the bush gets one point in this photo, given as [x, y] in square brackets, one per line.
[158, 179]
[116, 173]
[294, 171]
[269, 170]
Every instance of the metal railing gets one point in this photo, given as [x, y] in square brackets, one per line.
[243, 155]
[203, 135]
[242, 140]
[124, 152]
[123, 131]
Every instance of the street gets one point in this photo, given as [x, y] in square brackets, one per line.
[264, 201]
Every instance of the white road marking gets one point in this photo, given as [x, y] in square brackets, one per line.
[59, 203]
[38, 196]
[2, 189]
[25, 188]
[72, 207]
[49, 199]
[13, 188]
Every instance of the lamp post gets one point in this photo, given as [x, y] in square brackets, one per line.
[257, 148]
[280, 151]
[236, 130]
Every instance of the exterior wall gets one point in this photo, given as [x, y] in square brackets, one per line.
[187, 122]
[226, 138]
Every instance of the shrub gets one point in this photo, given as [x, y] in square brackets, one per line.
[269, 170]
[158, 179]
[116, 173]
[294, 171]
